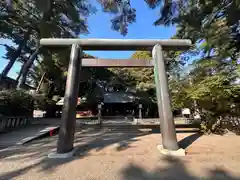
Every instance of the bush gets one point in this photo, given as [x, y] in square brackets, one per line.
[42, 102]
[211, 124]
[16, 103]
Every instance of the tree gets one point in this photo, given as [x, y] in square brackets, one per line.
[13, 54]
[194, 17]
[211, 85]
[14, 31]
[125, 14]
[193, 21]
[57, 23]
[145, 79]
[212, 26]
[55, 19]
[214, 85]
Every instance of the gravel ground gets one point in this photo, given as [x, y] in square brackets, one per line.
[131, 155]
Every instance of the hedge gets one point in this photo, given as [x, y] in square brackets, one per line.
[16, 103]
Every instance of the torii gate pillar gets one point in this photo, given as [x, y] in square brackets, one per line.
[169, 140]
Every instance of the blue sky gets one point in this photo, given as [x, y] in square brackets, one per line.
[100, 27]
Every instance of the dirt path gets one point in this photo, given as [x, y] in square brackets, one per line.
[11, 138]
[124, 156]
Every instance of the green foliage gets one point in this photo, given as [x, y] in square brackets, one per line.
[210, 124]
[211, 83]
[16, 103]
[42, 102]
[214, 85]
[212, 20]
[25, 22]
[139, 78]
[144, 76]
[179, 94]
[212, 25]
[147, 55]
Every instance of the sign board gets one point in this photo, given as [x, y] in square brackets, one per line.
[61, 101]
[186, 111]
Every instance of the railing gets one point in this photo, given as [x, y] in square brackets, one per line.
[10, 123]
[131, 120]
[176, 121]
[231, 123]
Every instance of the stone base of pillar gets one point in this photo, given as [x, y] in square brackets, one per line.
[179, 152]
[55, 155]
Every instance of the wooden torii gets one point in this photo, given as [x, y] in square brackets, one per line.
[68, 121]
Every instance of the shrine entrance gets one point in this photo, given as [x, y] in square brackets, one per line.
[68, 119]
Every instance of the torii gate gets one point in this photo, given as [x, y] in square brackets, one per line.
[68, 120]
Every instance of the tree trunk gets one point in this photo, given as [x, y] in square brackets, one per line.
[12, 60]
[15, 56]
[9, 66]
[40, 82]
[20, 73]
[6, 70]
[26, 68]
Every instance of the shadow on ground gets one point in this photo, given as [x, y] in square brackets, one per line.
[89, 139]
[175, 170]
[187, 141]
[85, 141]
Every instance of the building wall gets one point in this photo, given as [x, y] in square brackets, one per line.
[9, 83]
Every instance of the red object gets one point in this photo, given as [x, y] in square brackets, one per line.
[51, 132]
[84, 113]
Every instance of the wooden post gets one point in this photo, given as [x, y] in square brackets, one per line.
[140, 111]
[99, 113]
[68, 120]
[40, 82]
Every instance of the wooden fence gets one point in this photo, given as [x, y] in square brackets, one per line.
[11, 123]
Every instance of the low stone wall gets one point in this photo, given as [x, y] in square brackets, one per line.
[11, 123]
[156, 121]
